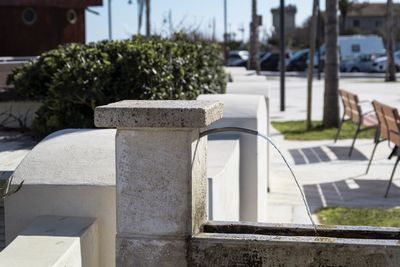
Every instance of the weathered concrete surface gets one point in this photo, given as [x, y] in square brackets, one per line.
[55, 241]
[145, 252]
[271, 250]
[70, 157]
[152, 181]
[158, 114]
[160, 195]
[70, 173]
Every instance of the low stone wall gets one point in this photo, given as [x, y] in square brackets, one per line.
[69, 173]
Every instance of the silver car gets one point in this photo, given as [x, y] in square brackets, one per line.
[362, 63]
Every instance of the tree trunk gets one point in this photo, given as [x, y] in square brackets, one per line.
[391, 67]
[313, 35]
[148, 17]
[253, 62]
[331, 101]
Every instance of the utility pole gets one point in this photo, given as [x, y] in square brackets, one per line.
[241, 29]
[282, 53]
[148, 19]
[319, 41]
[313, 32]
[213, 29]
[226, 31]
[109, 21]
[171, 25]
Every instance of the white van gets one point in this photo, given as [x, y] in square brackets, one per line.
[355, 45]
[352, 46]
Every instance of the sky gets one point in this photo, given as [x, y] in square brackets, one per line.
[198, 14]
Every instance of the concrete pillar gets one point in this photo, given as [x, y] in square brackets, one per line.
[161, 184]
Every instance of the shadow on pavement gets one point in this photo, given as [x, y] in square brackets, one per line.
[312, 155]
[352, 193]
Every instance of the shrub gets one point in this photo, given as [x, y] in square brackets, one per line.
[73, 79]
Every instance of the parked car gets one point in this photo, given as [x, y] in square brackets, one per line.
[269, 62]
[380, 64]
[238, 58]
[299, 61]
[362, 63]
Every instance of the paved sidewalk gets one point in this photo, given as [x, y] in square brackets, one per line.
[329, 178]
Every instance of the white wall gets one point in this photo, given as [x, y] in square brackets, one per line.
[223, 179]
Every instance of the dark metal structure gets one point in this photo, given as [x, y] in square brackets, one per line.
[282, 53]
[30, 27]
[226, 31]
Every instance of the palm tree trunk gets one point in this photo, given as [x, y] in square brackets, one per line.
[331, 101]
[391, 67]
[313, 35]
[253, 62]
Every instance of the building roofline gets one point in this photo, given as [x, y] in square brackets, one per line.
[52, 3]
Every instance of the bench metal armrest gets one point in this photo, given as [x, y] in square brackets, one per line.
[368, 112]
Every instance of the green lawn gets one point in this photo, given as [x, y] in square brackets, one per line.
[363, 217]
[296, 130]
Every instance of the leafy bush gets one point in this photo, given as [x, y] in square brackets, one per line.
[72, 80]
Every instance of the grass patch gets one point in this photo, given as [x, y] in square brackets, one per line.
[357, 216]
[296, 130]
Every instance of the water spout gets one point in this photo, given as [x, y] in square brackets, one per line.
[266, 138]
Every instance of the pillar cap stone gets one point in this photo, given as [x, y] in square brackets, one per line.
[158, 114]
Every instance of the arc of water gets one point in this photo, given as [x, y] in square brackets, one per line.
[268, 139]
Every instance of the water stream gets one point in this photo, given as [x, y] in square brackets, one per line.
[266, 138]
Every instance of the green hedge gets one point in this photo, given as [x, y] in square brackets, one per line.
[72, 80]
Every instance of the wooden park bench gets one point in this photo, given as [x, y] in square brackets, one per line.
[389, 130]
[352, 112]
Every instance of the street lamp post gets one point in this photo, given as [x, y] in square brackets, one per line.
[225, 31]
[282, 52]
[109, 21]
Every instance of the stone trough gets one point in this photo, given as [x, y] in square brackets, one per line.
[255, 244]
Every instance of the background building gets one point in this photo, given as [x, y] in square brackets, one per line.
[368, 18]
[290, 18]
[30, 27]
